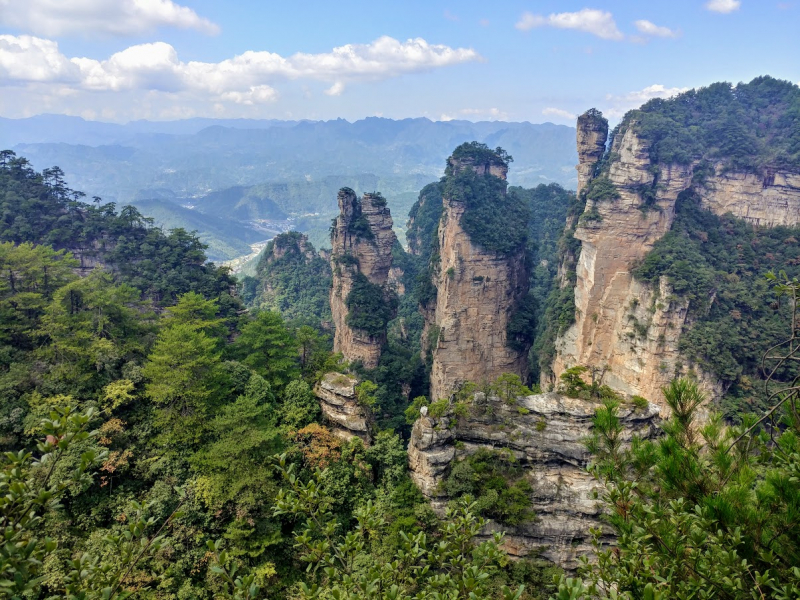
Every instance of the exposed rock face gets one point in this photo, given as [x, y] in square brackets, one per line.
[361, 243]
[622, 323]
[337, 400]
[549, 442]
[592, 132]
[768, 201]
[477, 292]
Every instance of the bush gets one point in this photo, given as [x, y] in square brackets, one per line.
[497, 482]
[370, 307]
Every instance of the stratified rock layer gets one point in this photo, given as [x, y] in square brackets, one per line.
[340, 407]
[621, 323]
[361, 242]
[477, 291]
[547, 434]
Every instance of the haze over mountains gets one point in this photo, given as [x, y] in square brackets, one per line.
[249, 177]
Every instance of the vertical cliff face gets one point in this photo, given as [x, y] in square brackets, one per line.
[361, 258]
[546, 435]
[624, 324]
[592, 133]
[477, 291]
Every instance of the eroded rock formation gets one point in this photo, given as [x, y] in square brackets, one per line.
[337, 400]
[592, 133]
[476, 293]
[361, 244]
[546, 434]
[624, 324]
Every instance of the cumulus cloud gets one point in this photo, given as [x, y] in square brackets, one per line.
[258, 94]
[92, 17]
[617, 106]
[559, 113]
[589, 20]
[653, 30]
[723, 6]
[156, 66]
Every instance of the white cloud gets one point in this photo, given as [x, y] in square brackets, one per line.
[151, 80]
[34, 59]
[651, 29]
[92, 17]
[259, 94]
[618, 105]
[336, 89]
[157, 66]
[723, 6]
[560, 113]
[589, 20]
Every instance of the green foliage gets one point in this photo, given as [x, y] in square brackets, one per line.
[498, 483]
[750, 126]
[423, 220]
[522, 326]
[493, 218]
[718, 264]
[704, 511]
[351, 565]
[300, 407]
[479, 154]
[293, 280]
[39, 208]
[365, 394]
[266, 346]
[370, 307]
[183, 378]
[600, 189]
[508, 387]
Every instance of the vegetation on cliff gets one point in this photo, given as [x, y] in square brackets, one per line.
[704, 511]
[494, 219]
[748, 127]
[292, 279]
[718, 264]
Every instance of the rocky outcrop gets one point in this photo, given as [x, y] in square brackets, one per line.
[339, 404]
[546, 434]
[771, 200]
[361, 244]
[621, 323]
[476, 293]
[592, 134]
[287, 243]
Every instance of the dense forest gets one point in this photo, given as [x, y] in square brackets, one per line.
[178, 446]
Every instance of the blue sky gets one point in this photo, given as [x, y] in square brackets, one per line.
[531, 60]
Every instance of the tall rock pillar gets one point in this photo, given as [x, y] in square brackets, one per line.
[592, 133]
[477, 291]
[361, 257]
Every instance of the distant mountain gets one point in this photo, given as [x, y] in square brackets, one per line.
[249, 169]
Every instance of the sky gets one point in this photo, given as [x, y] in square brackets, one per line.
[517, 60]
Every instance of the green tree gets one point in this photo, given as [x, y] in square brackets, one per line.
[344, 566]
[300, 407]
[93, 327]
[184, 381]
[266, 346]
